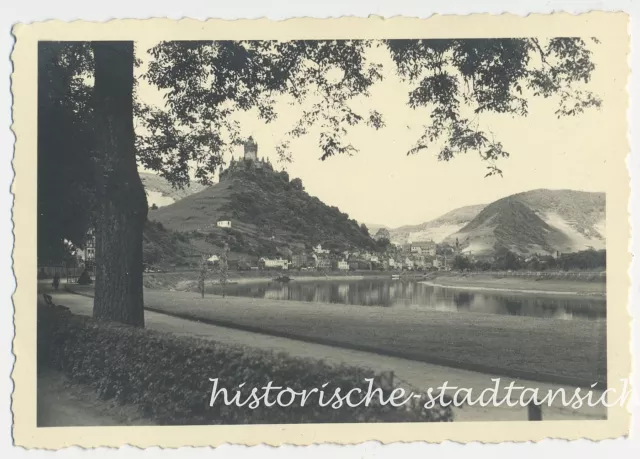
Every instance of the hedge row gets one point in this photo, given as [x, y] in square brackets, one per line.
[167, 376]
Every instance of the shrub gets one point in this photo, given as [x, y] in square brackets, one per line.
[84, 278]
[167, 376]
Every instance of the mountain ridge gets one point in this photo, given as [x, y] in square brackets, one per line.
[438, 228]
[539, 220]
[271, 212]
[160, 192]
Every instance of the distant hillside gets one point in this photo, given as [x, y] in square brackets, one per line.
[268, 212]
[539, 221]
[437, 229]
[161, 193]
[577, 213]
[164, 247]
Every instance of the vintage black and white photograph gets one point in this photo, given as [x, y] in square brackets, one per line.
[325, 231]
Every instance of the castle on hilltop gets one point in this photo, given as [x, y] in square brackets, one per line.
[248, 161]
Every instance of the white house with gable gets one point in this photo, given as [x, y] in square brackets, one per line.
[274, 263]
[319, 250]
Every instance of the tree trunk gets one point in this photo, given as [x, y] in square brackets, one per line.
[121, 199]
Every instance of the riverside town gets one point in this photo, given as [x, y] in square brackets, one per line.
[316, 214]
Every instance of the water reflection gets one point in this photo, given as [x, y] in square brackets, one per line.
[463, 300]
[412, 294]
[513, 307]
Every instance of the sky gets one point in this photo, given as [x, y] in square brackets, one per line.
[381, 185]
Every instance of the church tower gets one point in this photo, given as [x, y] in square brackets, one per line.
[250, 150]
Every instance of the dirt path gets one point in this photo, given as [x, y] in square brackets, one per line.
[416, 374]
[62, 403]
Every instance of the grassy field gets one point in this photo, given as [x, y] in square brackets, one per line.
[569, 352]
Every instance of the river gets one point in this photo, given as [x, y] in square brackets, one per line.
[414, 294]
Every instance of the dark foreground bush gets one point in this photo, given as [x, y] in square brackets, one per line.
[168, 376]
[84, 278]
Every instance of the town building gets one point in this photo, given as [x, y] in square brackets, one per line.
[343, 265]
[323, 263]
[368, 256]
[86, 257]
[319, 250]
[442, 263]
[223, 224]
[90, 248]
[423, 248]
[359, 264]
[419, 262]
[299, 260]
[273, 263]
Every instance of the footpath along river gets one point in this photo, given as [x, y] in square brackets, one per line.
[417, 374]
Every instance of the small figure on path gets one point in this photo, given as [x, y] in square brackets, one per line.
[56, 281]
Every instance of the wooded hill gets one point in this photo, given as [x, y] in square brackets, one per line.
[270, 215]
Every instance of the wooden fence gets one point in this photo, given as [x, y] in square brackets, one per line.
[68, 273]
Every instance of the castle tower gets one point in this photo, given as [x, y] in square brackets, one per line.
[250, 150]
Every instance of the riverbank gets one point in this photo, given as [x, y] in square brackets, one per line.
[571, 352]
[528, 285]
[416, 374]
[552, 283]
[187, 280]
